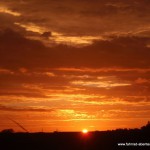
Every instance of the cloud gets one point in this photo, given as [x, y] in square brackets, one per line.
[100, 84]
[5, 108]
[8, 11]
[79, 57]
[5, 71]
[141, 81]
[56, 68]
[129, 52]
[72, 19]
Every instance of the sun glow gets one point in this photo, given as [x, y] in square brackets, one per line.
[84, 131]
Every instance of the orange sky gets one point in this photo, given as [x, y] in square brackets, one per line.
[68, 65]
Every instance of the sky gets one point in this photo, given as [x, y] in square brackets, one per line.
[66, 65]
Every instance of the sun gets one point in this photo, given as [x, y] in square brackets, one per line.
[84, 131]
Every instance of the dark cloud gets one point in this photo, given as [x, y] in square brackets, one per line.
[5, 108]
[18, 52]
[46, 34]
[75, 17]
[127, 52]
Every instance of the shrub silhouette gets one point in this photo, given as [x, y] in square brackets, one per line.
[7, 131]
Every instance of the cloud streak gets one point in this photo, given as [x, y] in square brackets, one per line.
[10, 12]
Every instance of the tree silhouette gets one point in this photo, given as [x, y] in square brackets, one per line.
[146, 127]
[7, 131]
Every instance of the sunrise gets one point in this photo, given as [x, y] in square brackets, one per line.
[74, 66]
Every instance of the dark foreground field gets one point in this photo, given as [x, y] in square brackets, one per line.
[106, 140]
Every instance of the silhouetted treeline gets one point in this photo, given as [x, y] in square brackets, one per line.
[98, 140]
